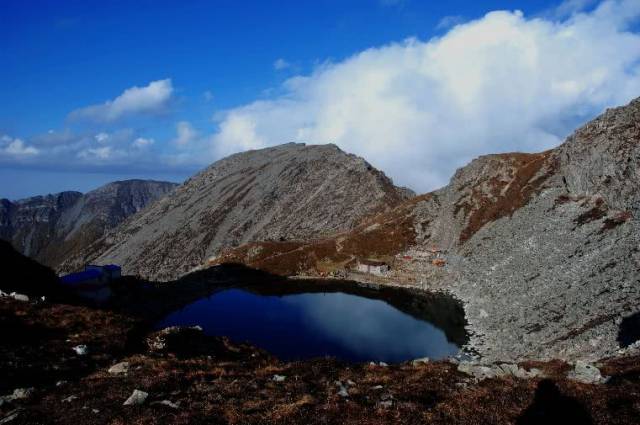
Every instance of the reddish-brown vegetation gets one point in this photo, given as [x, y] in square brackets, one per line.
[504, 193]
[380, 236]
[615, 221]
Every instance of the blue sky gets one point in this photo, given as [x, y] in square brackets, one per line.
[233, 75]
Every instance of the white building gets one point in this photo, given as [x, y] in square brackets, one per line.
[373, 267]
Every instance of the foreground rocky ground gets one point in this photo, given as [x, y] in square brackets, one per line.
[76, 364]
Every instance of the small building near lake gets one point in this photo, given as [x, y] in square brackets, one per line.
[378, 268]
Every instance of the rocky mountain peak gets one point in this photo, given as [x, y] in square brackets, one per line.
[287, 192]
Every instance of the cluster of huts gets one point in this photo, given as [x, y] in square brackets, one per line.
[380, 268]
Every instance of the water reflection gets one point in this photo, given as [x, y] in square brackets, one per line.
[298, 326]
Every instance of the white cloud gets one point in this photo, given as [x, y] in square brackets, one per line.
[419, 109]
[142, 143]
[102, 153]
[449, 21]
[16, 147]
[185, 133]
[135, 100]
[238, 133]
[569, 7]
[281, 64]
[102, 137]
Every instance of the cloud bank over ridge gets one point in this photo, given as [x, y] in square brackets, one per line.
[417, 109]
[420, 109]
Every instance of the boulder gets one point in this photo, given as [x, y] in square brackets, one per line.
[342, 390]
[278, 378]
[81, 350]
[19, 297]
[136, 398]
[586, 373]
[421, 360]
[119, 368]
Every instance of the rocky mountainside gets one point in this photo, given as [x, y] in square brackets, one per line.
[53, 227]
[287, 192]
[543, 249]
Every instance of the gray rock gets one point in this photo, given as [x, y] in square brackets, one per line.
[422, 360]
[137, 397]
[22, 393]
[160, 341]
[586, 373]
[19, 297]
[168, 403]
[342, 390]
[17, 394]
[479, 372]
[81, 350]
[278, 378]
[10, 417]
[70, 399]
[119, 368]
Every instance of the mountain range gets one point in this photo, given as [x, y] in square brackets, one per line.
[53, 227]
[289, 192]
[543, 249]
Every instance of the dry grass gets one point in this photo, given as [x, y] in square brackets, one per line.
[217, 381]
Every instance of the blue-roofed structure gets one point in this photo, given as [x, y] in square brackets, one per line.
[84, 277]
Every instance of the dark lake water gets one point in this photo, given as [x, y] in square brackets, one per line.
[362, 325]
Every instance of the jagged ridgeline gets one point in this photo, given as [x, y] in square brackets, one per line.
[52, 228]
[288, 192]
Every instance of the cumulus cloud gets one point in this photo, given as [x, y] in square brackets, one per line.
[16, 148]
[281, 64]
[133, 101]
[185, 133]
[419, 109]
[142, 143]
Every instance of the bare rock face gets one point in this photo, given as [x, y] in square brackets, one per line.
[552, 263]
[30, 223]
[53, 227]
[286, 192]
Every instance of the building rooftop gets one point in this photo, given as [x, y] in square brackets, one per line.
[81, 276]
